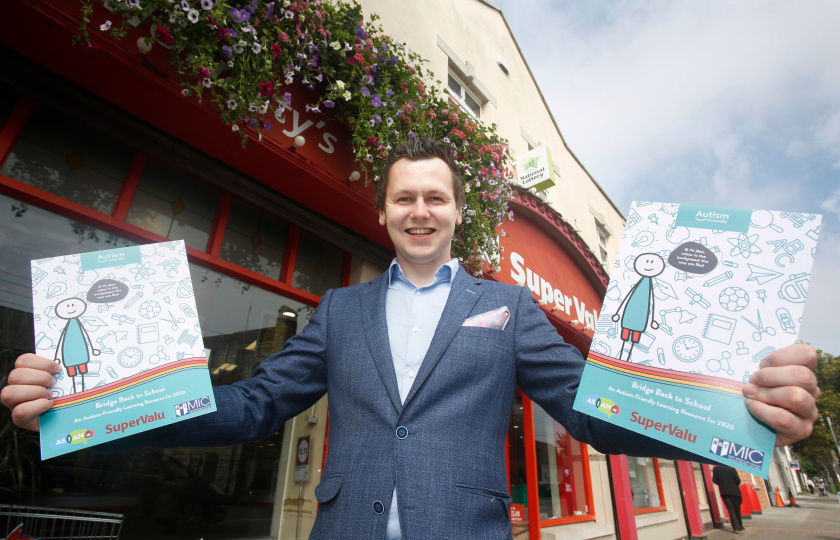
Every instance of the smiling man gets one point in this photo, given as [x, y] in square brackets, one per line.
[421, 365]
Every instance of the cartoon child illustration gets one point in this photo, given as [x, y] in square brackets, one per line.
[639, 302]
[74, 342]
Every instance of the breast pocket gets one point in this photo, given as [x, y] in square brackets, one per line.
[482, 333]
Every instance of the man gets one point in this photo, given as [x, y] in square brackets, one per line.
[727, 480]
[421, 365]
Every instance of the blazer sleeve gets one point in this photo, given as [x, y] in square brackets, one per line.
[284, 385]
[549, 370]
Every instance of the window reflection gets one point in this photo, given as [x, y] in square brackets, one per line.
[645, 482]
[560, 469]
[68, 159]
[255, 240]
[318, 265]
[517, 473]
[183, 492]
[175, 205]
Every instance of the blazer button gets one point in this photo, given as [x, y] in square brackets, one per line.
[378, 507]
[402, 433]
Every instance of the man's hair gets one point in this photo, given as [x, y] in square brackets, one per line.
[417, 149]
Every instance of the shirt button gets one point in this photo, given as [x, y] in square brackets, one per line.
[378, 507]
[418, 293]
[402, 433]
[411, 373]
[414, 329]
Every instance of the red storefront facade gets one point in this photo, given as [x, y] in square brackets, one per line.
[314, 228]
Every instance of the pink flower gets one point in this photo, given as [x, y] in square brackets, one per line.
[266, 88]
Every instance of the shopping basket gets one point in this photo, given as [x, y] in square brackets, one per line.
[60, 523]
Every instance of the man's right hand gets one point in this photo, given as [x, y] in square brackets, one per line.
[28, 391]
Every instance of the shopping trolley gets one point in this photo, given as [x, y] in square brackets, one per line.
[60, 523]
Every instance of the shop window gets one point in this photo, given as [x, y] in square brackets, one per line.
[517, 471]
[8, 99]
[66, 158]
[562, 470]
[174, 204]
[318, 265]
[255, 240]
[242, 324]
[464, 97]
[645, 484]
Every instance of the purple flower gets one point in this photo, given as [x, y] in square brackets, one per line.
[394, 60]
[267, 126]
[232, 33]
[252, 7]
[328, 103]
[367, 79]
[227, 51]
[375, 100]
[376, 118]
[410, 135]
[384, 49]
[364, 91]
[314, 62]
[239, 15]
[287, 97]
[319, 77]
[389, 93]
[270, 9]
[360, 33]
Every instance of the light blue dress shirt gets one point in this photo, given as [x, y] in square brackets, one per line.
[412, 315]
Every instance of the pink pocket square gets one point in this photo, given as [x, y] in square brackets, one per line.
[496, 319]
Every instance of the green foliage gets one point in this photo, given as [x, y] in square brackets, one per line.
[239, 55]
[818, 448]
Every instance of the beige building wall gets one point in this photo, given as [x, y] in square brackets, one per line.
[468, 38]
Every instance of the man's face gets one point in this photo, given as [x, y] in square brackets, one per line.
[420, 212]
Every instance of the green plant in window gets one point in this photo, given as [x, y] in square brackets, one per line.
[242, 56]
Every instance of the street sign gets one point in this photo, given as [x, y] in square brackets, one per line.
[302, 459]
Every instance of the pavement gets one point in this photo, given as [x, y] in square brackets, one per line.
[816, 517]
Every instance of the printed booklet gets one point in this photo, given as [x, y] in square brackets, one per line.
[123, 325]
[698, 296]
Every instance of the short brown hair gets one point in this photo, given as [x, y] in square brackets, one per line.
[417, 149]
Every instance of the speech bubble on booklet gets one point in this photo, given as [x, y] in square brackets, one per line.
[107, 291]
[693, 258]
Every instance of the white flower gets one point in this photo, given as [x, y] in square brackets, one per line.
[231, 103]
[239, 47]
[346, 95]
[185, 92]
[256, 48]
[234, 127]
[105, 26]
[264, 107]
[206, 4]
[193, 16]
[340, 85]
[335, 44]
[185, 5]
[207, 83]
[467, 188]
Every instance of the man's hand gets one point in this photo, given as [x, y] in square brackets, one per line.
[28, 392]
[784, 391]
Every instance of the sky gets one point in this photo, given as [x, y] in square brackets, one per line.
[719, 103]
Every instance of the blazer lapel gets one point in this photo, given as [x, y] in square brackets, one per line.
[462, 297]
[375, 326]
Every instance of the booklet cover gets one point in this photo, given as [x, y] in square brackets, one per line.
[698, 296]
[124, 326]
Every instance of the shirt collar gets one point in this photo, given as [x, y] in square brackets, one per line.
[444, 274]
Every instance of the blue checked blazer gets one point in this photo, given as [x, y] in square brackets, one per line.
[444, 448]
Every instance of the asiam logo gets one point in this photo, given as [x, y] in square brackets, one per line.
[603, 405]
[78, 436]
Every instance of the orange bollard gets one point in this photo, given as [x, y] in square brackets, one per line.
[755, 505]
[779, 502]
[792, 500]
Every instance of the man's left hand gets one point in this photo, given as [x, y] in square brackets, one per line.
[784, 391]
